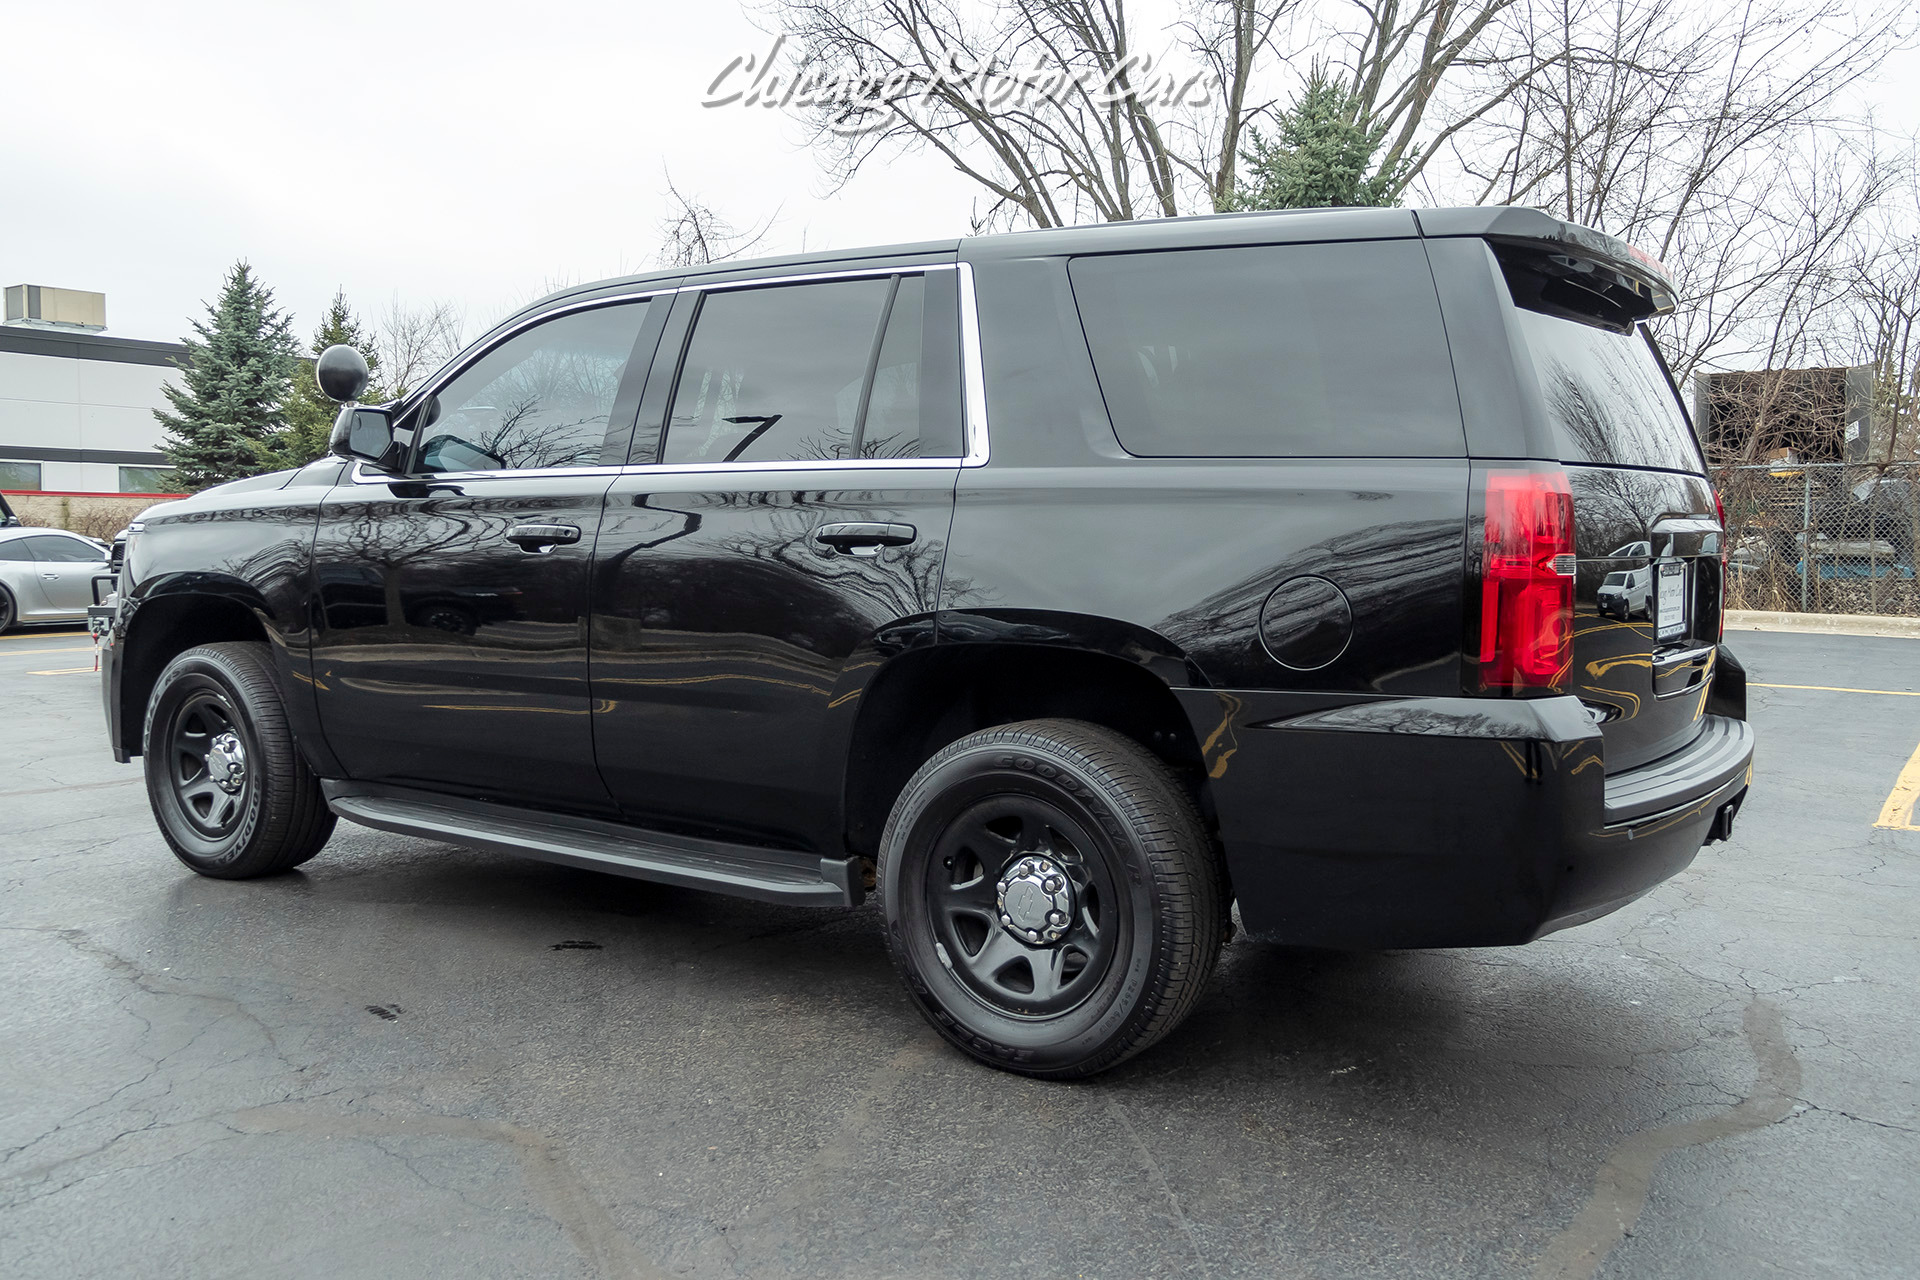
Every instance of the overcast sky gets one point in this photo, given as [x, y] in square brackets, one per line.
[478, 153]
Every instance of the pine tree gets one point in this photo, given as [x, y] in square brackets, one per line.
[1321, 158]
[309, 414]
[235, 375]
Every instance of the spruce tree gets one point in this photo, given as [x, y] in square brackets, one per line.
[1321, 158]
[235, 381]
[309, 414]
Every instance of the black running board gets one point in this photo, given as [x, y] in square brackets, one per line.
[747, 871]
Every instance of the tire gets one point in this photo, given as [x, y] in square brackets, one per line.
[449, 618]
[1005, 834]
[8, 613]
[213, 708]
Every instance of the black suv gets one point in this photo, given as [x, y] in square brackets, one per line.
[1065, 588]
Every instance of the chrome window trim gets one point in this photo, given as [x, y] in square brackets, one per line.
[454, 370]
[756, 468]
[972, 383]
[973, 380]
[853, 273]
[363, 476]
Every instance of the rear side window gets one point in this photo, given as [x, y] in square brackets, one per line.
[831, 371]
[892, 426]
[1608, 400]
[1321, 350]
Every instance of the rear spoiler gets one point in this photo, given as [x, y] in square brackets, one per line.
[1634, 281]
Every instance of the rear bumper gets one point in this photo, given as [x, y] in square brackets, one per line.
[1446, 822]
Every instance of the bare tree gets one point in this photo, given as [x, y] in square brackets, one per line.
[1404, 55]
[415, 341]
[1713, 136]
[1710, 135]
[1885, 304]
[693, 233]
[1057, 112]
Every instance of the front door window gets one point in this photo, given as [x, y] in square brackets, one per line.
[541, 399]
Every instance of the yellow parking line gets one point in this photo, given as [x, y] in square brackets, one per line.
[1827, 688]
[74, 648]
[70, 671]
[1897, 813]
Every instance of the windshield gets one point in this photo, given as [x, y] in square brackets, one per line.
[1607, 397]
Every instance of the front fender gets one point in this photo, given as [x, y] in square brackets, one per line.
[228, 564]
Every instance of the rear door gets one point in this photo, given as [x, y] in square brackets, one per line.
[787, 532]
[1644, 522]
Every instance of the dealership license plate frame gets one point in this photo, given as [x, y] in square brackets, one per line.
[1669, 599]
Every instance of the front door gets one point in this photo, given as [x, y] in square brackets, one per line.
[786, 534]
[450, 645]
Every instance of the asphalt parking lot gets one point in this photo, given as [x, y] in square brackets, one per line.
[414, 1059]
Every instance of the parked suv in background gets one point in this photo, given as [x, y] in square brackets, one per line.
[1063, 588]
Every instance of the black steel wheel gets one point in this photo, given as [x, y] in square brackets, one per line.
[232, 795]
[206, 762]
[7, 613]
[1054, 902]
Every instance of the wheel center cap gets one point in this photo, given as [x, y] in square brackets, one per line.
[1036, 900]
[227, 763]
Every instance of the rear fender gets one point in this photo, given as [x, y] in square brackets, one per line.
[1080, 632]
[931, 681]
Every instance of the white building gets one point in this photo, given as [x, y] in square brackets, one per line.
[76, 405]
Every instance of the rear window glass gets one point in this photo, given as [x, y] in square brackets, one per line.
[1607, 397]
[1321, 350]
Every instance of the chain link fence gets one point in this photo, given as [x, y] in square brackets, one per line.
[1829, 537]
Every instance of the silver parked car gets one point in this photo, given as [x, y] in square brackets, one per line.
[46, 575]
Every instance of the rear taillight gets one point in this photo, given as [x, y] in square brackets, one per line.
[1526, 583]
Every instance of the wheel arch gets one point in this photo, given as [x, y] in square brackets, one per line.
[999, 668]
[170, 617]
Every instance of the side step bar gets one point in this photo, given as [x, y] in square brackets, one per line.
[747, 871]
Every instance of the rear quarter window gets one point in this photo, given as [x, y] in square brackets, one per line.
[1315, 350]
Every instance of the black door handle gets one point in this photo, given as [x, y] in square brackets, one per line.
[861, 538]
[542, 537]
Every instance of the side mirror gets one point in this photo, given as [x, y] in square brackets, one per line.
[342, 373]
[367, 435]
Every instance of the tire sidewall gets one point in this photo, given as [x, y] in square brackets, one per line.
[189, 674]
[945, 788]
[9, 610]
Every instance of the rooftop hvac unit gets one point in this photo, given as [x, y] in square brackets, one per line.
[38, 307]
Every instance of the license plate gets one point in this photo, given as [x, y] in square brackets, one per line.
[1670, 597]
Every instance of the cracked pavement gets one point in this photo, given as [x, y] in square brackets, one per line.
[410, 1058]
